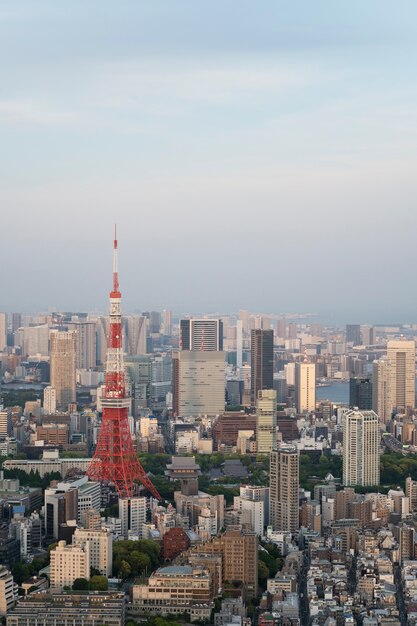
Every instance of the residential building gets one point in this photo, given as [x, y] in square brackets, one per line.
[8, 591]
[305, 387]
[284, 486]
[101, 548]
[132, 513]
[86, 343]
[266, 420]
[69, 562]
[49, 400]
[63, 358]
[361, 440]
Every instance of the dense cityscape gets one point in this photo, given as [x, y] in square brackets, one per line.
[182, 468]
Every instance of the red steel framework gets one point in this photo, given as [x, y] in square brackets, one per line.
[115, 459]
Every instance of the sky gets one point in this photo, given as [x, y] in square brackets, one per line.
[255, 155]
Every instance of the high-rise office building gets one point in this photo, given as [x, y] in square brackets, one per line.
[3, 332]
[282, 328]
[63, 357]
[166, 325]
[86, 341]
[361, 440]
[36, 340]
[360, 393]
[401, 357]
[204, 335]
[353, 334]
[136, 328]
[262, 361]
[284, 478]
[379, 390]
[305, 387]
[266, 420]
[368, 335]
[8, 591]
[201, 382]
[16, 321]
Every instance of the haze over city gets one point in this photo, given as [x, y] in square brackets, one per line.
[254, 155]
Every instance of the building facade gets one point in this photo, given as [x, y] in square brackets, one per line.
[361, 441]
[284, 486]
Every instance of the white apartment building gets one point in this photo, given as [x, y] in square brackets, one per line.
[69, 562]
[101, 548]
[361, 439]
[132, 513]
[305, 387]
[49, 400]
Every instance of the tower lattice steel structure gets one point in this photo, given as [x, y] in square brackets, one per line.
[115, 460]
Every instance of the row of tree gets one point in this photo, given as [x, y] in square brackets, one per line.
[135, 558]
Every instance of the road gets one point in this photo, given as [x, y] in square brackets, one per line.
[400, 597]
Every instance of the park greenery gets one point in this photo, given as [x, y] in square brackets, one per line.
[135, 558]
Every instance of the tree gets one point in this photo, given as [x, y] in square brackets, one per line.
[263, 571]
[99, 583]
[125, 570]
[80, 584]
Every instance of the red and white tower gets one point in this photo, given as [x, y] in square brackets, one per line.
[115, 460]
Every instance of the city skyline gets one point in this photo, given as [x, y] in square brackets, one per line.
[294, 125]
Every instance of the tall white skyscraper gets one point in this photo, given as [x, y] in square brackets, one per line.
[266, 420]
[361, 440]
[379, 390]
[86, 343]
[305, 387]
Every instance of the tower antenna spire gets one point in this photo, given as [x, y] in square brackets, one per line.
[115, 263]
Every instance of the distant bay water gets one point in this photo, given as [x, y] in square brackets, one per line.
[336, 392]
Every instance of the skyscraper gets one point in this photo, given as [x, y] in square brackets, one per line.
[305, 387]
[136, 327]
[401, 372]
[360, 448]
[63, 356]
[86, 340]
[284, 485]
[353, 334]
[262, 361]
[204, 335]
[3, 332]
[266, 420]
[360, 393]
[379, 390]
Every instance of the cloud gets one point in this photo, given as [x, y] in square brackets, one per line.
[16, 112]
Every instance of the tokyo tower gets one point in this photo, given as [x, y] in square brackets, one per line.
[115, 460]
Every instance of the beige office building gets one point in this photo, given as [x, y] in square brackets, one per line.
[361, 438]
[401, 356]
[101, 548]
[49, 400]
[284, 479]
[266, 420]
[305, 387]
[69, 562]
[63, 358]
[379, 390]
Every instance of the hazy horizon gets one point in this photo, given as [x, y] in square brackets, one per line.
[254, 155]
